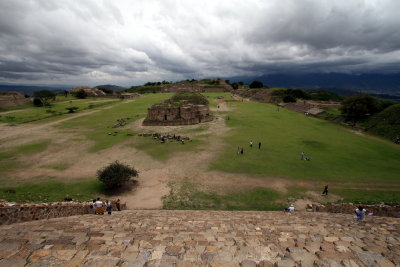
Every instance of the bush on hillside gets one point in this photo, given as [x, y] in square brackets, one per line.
[385, 123]
[144, 89]
[256, 84]
[297, 93]
[115, 174]
[288, 99]
[81, 94]
[322, 95]
[194, 98]
[235, 86]
[359, 107]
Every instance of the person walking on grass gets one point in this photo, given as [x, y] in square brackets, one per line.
[251, 143]
[241, 151]
[302, 155]
[325, 192]
[238, 150]
[259, 145]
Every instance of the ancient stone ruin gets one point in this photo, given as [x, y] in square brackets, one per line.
[172, 113]
[9, 99]
[217, 85]
[89, 91]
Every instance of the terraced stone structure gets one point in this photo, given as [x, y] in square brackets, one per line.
[89, 91]
[203, 238]
[10, 99]
[172, 113]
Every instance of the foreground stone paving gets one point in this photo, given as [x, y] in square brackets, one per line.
[202, 238]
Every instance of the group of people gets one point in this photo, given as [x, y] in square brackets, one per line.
[99, 207]
[241, 151]
[360, 212]
[303, 157]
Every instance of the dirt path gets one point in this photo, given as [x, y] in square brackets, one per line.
[154, 181]
[27, 129]
[11, 111]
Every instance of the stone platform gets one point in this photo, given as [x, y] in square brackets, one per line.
[202, 238]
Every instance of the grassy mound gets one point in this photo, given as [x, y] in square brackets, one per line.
[194, 98]
[386, 123]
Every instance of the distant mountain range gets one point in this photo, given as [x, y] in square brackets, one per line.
[29, 89]
[382, 83]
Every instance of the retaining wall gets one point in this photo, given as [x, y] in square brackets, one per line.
[31, 212]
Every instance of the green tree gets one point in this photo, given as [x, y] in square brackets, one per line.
[115, 174]
[80, 94]
[256, 84]
[289, 98]
[45, 96]
[360, 106]
[235, 86]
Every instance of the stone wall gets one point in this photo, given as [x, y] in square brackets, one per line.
[30, 212]
[377, 210]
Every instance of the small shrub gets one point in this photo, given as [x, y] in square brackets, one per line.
[37, 102]
[115, 174]
[288, 99]
[72, 109]
[256, 84]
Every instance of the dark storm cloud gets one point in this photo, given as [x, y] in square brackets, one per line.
[123, 41]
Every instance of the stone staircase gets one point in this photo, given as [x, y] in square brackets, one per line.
[202, 238]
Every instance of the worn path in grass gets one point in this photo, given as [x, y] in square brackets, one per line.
[182, 165]
[194, 167]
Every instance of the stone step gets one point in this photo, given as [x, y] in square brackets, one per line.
[202, 238]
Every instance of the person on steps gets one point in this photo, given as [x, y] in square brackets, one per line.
[325, 192]
[360, 213]
[109, 207]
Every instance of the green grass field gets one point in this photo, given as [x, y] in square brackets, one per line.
[29, 113]
[97, 126]
[358, 168]
[52, 191]
[336, 155]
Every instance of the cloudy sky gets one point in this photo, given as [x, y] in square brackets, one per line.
[129, 42]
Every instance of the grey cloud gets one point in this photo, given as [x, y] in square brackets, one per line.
[91, 41]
